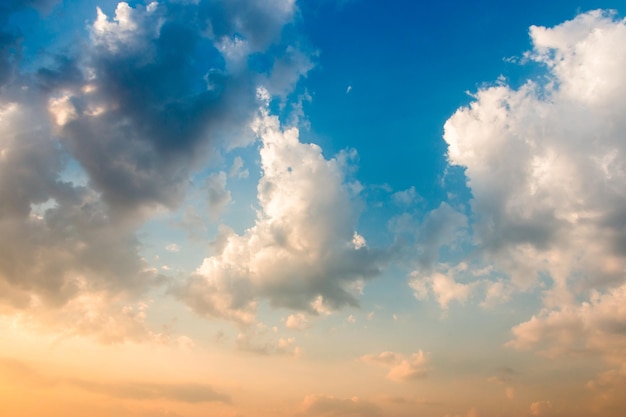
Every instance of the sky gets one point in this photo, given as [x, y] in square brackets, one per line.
[333, 208]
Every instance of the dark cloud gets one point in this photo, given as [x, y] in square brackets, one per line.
[166, 84]
[94, 139]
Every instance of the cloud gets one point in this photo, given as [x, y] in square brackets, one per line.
[300, 254]
[540, 408]
[236, 170]
[329, 406]
[597, 326]
[94, 141]
[608, 388]
[255, 341]
[297, 321]
[442, 286]
[440, 227]
[545, 163]
[142, 391]
[185, 90]
[57, 238]
[401, 368]
[405, 197]
[218, 195]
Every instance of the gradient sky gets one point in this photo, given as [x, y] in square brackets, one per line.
[324, 208]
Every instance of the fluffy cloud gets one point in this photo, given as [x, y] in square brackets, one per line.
[93, 141]
[57, 239]
[300, 253]
[545, 164]
[597, 326]
[443, 284]
[174, 100]
[329, 406]
[401, 368]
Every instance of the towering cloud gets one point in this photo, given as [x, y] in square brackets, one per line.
[302, 253]
[546, 167]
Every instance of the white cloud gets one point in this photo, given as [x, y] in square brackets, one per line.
[401, 368]
[300, 253]
[443, 287]
[297, 321]
[545, 164]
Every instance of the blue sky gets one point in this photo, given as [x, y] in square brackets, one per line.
[324, 209]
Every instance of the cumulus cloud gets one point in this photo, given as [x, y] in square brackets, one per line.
[545, 163]
[443, 286]
[300, 253]
[155, 118]
[57, 238]
[93, 140]
[597, 326]
[329, 406]
[401, 368]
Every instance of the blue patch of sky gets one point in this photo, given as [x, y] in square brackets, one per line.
[409, 66]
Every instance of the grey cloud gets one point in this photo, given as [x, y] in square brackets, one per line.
[138, 107]
[54, 232]
[162, 94]
[218, 195]
[260, 23]
[439, 228]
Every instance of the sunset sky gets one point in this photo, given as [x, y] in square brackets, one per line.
[329, 208]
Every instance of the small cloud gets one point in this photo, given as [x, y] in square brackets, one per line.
[510, 393]
[236, 170]
[351, 319]
[297, 322]
[401, 368]
[540, 408]
[172, 247]
[405, 197]
[348, 89]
